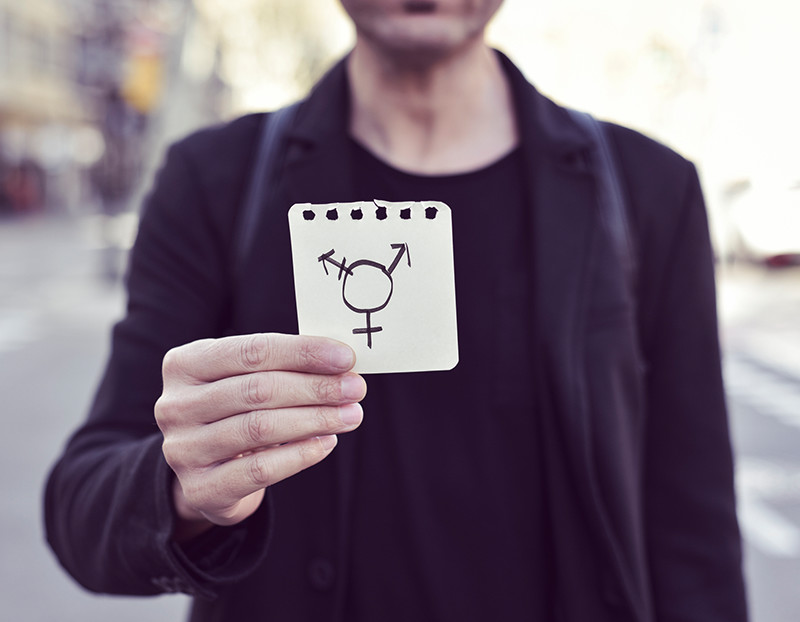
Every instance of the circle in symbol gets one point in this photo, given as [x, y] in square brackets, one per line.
[367, 286]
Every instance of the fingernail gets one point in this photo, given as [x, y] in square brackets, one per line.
[342, 357]
[351, 414]
[353, 387]
[328, 442]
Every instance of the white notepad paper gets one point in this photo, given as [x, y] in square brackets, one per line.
[378, 276]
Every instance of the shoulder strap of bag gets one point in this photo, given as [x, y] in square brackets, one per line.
[613, 208]
[263, 181]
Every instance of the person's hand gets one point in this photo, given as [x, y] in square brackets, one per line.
[241, 413]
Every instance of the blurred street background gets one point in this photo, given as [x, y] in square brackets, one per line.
[92, 91]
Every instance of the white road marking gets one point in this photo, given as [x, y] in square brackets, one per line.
[766, 529]
[768, 393]
[18, 329]
[759, 484]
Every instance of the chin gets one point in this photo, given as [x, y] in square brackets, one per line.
[421, 41]
[420, 30]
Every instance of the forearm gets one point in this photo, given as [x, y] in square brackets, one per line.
[110, 521]
[107, 512]
[108, 504]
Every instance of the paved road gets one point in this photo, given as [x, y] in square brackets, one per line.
[760, 312]
[55, 312]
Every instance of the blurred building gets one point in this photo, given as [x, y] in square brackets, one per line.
[87, 87]
[275, 50]
[41, 114]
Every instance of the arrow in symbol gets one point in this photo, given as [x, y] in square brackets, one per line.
[402, 248]
[326, 258]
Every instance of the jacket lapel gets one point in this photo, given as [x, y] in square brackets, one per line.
[564, 226]
[318, 164]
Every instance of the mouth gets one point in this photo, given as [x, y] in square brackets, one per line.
[419, 7]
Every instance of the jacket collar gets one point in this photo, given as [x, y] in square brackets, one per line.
[318, 167]
[538, 117]
[320, 135]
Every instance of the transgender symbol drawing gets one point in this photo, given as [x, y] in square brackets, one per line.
[367, 285]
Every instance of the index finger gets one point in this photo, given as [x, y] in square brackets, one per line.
[208, 360]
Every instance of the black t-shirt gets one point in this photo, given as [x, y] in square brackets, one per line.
[449, 521]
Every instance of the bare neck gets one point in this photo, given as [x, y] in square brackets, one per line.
[452, 116]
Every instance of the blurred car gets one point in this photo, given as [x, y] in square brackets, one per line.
[764, 224]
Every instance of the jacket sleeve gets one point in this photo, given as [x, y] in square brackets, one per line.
[691, 527]
[108, 512]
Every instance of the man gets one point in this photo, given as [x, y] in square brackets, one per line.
[574, 466]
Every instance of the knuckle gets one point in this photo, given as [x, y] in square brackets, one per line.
[171, 452]
[259, 470]
[325, 390]
[309, 353]
[322, 419]
[257, 428]
[258, 389]
[177, 453]
[194, 493]
[311, 452]
[166, 411]
[178, 361]
[254, 351]
[172, 362]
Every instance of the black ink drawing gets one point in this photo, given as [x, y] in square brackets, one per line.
[367, 285]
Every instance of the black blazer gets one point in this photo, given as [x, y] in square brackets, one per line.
[638, 457]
